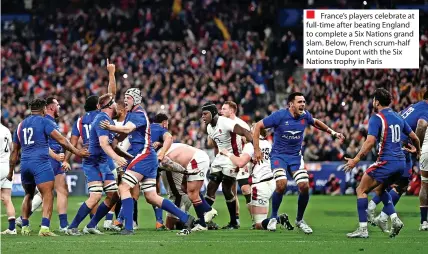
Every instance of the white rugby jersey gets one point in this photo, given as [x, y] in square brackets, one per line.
[263, 170]
[425, 144]
[5, 144]
[124, 145]
[223, 136]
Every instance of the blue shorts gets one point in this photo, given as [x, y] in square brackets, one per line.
[386, 171]
[289, 163]
[100, 172]
[36, 172]
[146, 165]
[57, 167]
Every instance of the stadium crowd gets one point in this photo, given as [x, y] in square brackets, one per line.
[63, 53]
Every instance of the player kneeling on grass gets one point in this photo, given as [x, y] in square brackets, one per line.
[261, 181]
[196, 163]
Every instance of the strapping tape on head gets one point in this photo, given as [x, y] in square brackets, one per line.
[211, 108]
[135, 93]
[108, 104]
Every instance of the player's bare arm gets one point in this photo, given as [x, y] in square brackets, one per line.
[167, 137]
[367, 146]
[67, 145]
[421, 129]
[58, 157]
[111, 68]
[73, 140]
[105, 145]
[119, 151]
[256, 140]
[322, 126]
[13, 159]
[416, 143]
[239, 130]
[124, 129]
[239, 161]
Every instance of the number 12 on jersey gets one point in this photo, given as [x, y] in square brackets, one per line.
[28, 135]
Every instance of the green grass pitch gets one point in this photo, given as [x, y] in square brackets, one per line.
[330, 217]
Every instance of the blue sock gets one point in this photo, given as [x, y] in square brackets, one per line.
[158, 214]
[301, 205]
[376, 199]
[424, 213]
[91, 216]
[46, 222]
[63, 222]
[12, 223]
[173, 209]
[199, 209]
[206, 206]
[394, 197]
[102, 210]
[25, 222]
[276, 202]
[362, 205]
[128, 213]
[120, 215]
[80, 216]
[388, 207]
[109, 216]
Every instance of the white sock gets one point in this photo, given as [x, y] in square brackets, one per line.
[363, 224]
[372, 205]
[37, 201]
[383, 216]
[393, 216]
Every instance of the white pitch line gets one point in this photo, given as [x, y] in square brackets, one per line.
[216, 241]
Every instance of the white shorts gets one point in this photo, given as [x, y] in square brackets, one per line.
[5, 184]
[244, 173]
[4, 171]
[423, 161]
[224, 165]
[201, 161]
[262, 192]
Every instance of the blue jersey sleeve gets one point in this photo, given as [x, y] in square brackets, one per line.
[75, 130]
[49, 127]
[162, 132]
[424, 117]
[309, 117]
[138, 119]
[273, 120]
[406, 128]
[100, 131]
[374, 126]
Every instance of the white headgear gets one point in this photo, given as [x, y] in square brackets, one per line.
[135, 93]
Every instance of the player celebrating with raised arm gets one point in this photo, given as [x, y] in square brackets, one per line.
[143, 167]
[222, 132]
[31, 137]
[286, 156]
[385, 127]
[98, 170]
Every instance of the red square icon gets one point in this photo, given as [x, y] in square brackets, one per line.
[310, 14]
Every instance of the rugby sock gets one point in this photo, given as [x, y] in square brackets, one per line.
[265, 223]
[205, 204]
[120, 217]
[301, 205]
[117, 208]
[128, 210]
[424, 213]
[91, 216]
[135, 217]
[80, 216]
[237, 219]
[173, 209]
[102, 210]
[388, 207]
[199, 209]
[63, 222]
[231, 206]
[209, 201]
[109, 215]
[362, 204]
[373, 203]
[395, 197]
[158, 214]
[276, 202]
[46, 222]
[25, 222]
[247, 198]
[11, 223]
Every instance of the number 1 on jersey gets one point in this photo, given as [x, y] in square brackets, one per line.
[88, 129]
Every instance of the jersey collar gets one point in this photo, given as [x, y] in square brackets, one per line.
[138, 109]
[50, 117]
